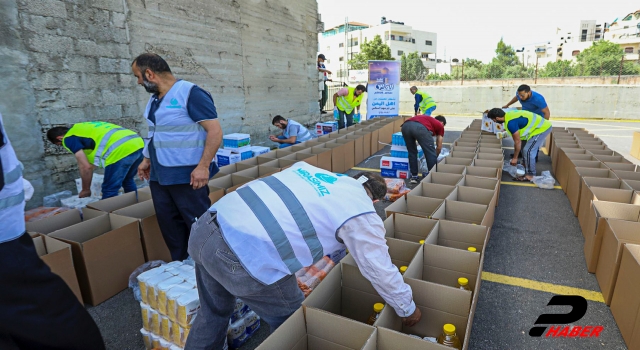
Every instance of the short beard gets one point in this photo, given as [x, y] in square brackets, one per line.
[151, 88]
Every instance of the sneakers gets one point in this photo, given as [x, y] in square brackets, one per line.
[414, 180]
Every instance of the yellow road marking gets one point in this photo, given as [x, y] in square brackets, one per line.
[542, 286]
[366, 169]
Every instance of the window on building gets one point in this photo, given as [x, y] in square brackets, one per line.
[424, 55]
[575, 52]
[341, 59]
[400, 52]
[428, 42]
[628, 50]
[413, 41]
[341, 45]
[400, 37]
[583, 37]
[393, 37]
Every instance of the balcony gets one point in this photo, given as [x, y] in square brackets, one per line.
[540, 50]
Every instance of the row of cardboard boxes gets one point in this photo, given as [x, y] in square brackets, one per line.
[604, 191]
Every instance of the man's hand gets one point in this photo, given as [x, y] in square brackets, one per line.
[199, 177]
[273, 138]
[505, 106]
[144, 169]
[514, 161]
[413, 319]
[84, 194]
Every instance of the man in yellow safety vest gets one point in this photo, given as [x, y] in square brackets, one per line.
[424, 102]
[345, 101]
[524, 125]
[101, 144]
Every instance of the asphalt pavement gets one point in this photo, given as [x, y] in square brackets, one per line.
[535, 237]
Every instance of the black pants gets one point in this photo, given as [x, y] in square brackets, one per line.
[325, 97]
[412, 132]
[37, 309]
[177, 207]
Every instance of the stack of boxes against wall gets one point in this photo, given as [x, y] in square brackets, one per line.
[451, 210]
[604, 191]
[237, 147]
[397, 165]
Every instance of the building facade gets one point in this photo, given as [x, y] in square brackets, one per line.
[339, 44]
[626, 33]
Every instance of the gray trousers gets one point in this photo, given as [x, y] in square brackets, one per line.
[414, 131]
[221, 278]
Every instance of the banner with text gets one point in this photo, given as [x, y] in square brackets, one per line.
[383, 90]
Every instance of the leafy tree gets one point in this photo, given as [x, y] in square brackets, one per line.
[372, 50]
[403, 68]
[473, 63]
[412, 67]
[603, 58]
[505, 55]
[557, 69]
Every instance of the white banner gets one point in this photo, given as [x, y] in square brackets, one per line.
[383, 91]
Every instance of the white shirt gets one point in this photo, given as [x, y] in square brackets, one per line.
[364, 236]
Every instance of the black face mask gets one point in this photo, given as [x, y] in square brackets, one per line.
[151, 88]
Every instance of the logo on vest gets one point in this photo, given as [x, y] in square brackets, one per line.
[174, 104]
[314, 181]
[326, 178]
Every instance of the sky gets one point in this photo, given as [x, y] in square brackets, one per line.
[472, 29]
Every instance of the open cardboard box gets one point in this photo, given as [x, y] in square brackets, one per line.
[603, 152]
[449, 160]
[458, 235]
[431, 190]
[323, 157]
[153, 245]
[408, 227]
[480, 171]
[106, 250]
[275, 154]
[634, 185]
[560, 167]
[477, 196]
[258, 172]
[366, 143]
[481, 182]
[488, 163]
[337, 156]
[556, 148]
[310, 159]
[374, 138]
[114, 203]
[57, 255]
[314, 329]
[439, 305]
[414, 205]
[215, 193]
[345, 292]
[625, 303]
[358, 147]
[230, 183]
[616, 233]
[449, 168]
[248, 164]
[599, 211]
[299, 147]
[586, 193]
[463, 149]
[384, 135]
[490, 150]
[402, 252]
[230, 169]
[627, 175]
[573, 183]
[571, 174]
[621, 166]
[491, 156]
[349, 152]
[612, 159]
[461, 154]
[62, 220]
[442, 178]
[465, 143]
[489, 145]
[463, 212]
[276, 163]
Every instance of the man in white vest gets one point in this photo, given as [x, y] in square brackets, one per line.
[292, 132]
[250, 243]
[37, 308]
[184, 136]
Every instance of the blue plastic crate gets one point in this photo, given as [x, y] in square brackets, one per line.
[246, 155]
[401, 152]
[397, 139]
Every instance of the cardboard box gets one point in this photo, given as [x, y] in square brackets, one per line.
[488, 163]
[602, 152]
[463, 149]
[349, 152]
[621, 166]
[394, 163]
[215, 193]
[401, 252]
[374, 139]
[480, 182]
[458, 235]
[384, 135]
[230, 183]
[57, 255]
[470, 213]
[564, 165]
[556, 147]
[443, 178]
[491, 156]
[299, 147]
[625, 303]
[62, 220]
[407, 227]
[258, 172]
[594, 227]
[229, 169]
[337, 156]
[635, 145]
[634, 185]
[323, 157]
[612, 159]
[153, 245]
[247, 164]
[431, 190]
[114, 203]
[627, 175]
[366, 143]
[313, 329]
[396, 174]
[276, 163]
[414, 205]
[294, 158]
[571, 175]
[345, 292]
[461, 154]
[106, 250]
[226, 157]
[455, 161]
[444, 265]
[490, 150]
[358, 148]
[479, 171]
[616, 234]
[572, 185]
[462, 143]
[450, 169]
[586, 195]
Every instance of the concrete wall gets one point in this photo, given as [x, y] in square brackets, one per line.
[67, 61]
[604, 80]
[574, 101]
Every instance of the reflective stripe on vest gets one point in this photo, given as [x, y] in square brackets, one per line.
[427, 101]
[98, 158]
[11, 201]
[12, 193]
[534, 123]
[306, 135]
[176, 128]
[343, 101]
[13, 175]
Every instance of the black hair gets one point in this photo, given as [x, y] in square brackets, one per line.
[495, 113]
[375, 184]
[361, 88]
[277, 118]
[524, 87]
[442, 120]
[53, 133]
[151, 61]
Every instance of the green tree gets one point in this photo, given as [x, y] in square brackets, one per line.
[412, 67]
[403, 68]
[603, 58]
[557, 69]
[505, 55]
[372, 50]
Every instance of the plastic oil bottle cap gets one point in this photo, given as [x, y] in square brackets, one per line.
[463, 281]
[377, 307]
[403, 269]
[472, 249]
[422, 241]
[449, 329]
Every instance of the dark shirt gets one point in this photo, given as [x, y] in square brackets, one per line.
[416, 106]
[77, 143]
[200, 107]
[516, 124]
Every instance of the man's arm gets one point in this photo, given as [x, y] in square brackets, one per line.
[200, 175]
[324, 70]
[513, 100]
[416, 106]
[86, 173]
[291, 139]
[438, 144]
[516, 147]
[546, 113]
[364, 237]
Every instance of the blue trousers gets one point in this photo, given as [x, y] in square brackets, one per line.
[121, 174]
[285, 145]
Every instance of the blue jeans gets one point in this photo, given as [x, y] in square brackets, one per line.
[530, 151]
[285, 145]
[430, 111]
[120, 174]
[221, 278]
[345, 119]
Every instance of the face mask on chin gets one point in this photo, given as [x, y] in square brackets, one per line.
[151, 88]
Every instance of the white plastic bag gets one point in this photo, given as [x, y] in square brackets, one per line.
[545, 181]
[514, 171]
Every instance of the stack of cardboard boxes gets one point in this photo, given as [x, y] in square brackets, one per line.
[451, 210]
[604, 191]
[397, 165]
